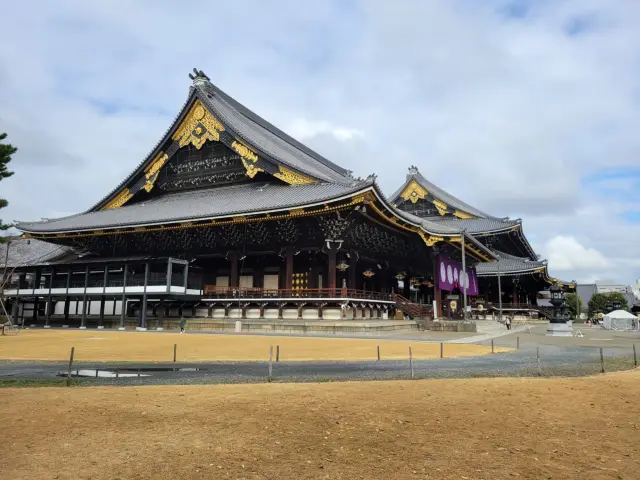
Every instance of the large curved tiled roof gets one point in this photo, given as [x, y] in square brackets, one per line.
[198, 204]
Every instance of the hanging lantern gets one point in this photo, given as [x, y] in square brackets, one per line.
[400, 276]
[368, 273]
[427, 283]
[342, 266]
[415, 282]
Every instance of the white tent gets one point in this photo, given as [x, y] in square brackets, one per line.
[621, 320]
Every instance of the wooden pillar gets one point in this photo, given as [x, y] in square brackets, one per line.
[234, 278]
[514, 294]
[437, 294]
[143, 304]
[160, 314]
[67, 303]
[67, 300]
[83, 322]
[353, 267]
[123, 306]
[15, 308]
[34, 314]
[331, 268]
[288, 269]
[101, 319]
[48, 313]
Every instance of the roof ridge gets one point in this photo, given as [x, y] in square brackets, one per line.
[449, 199]
[254, 117]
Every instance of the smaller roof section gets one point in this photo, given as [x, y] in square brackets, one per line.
[477, 225]
[418, 187]
[510, 265]
[23, 251]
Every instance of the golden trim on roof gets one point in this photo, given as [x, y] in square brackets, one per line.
[153, 169]
[430, 240]
[461, 214]
[249, 158]
[291, 177]
[414, 192]
[123, 197]
[440, 205]
[198, 127]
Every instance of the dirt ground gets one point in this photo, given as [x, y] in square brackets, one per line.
[100, 345]
[433, 429]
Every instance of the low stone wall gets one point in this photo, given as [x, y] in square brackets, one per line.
[249, 325]
[451, 326]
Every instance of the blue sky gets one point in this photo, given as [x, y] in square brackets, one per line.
[523, 108]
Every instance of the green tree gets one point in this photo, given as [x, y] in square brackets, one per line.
[603, 302]
[570, 299]
[6, 150]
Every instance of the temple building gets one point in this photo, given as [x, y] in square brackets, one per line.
[230, 217]
[518, 275]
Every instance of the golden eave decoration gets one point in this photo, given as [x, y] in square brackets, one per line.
[120, 199]
[368, 273]
[441, 206]
[461, 214]
[414, 192]
[430, 240]
[198, 127]
[291, 177]
[151, 172]
[249, 158]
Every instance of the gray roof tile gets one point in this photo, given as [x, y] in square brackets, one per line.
[198, 204]
[24, 251]
[509, 264]
[475, 225]
[438, 193]
[267, 138]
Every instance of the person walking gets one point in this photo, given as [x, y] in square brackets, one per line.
[182, 324]
[508, 323]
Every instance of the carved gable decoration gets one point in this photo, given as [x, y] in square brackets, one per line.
[198, 127]
[414, 192]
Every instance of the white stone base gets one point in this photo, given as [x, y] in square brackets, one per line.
[559, 330]
[65, 326]
[82, 328]
[100, 327]
[159, 329]
[47, 326]
[121, 328]
[141, 329]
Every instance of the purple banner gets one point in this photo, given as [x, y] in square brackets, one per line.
[450, 277]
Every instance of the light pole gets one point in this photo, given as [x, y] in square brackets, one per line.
[499, 292]
[575, 282]
[463, 277]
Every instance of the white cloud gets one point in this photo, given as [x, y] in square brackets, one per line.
[508, 114]
[566, 253]
[303, 129]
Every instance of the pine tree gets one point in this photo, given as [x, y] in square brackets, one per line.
[6, 150]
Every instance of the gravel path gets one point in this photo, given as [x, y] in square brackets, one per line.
[554, 361]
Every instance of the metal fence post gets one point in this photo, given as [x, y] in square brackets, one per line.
[73, 349]
[411, 362]
[538, 359]
[601, 361]
[635, 356]
[270, 362]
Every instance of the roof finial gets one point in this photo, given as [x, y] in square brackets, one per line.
[413, 170]
[199, 78]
